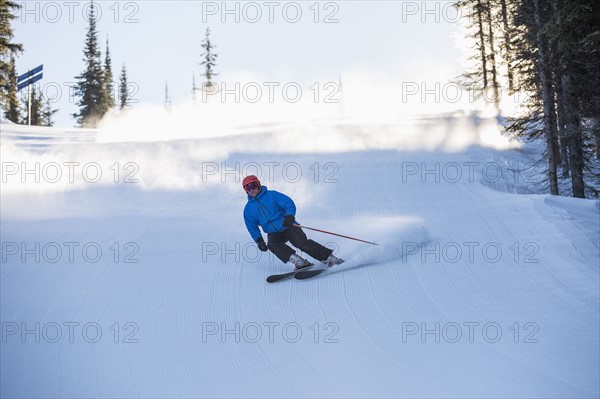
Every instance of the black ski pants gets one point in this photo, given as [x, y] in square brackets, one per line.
[296, 237]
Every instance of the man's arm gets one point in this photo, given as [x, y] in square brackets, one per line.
[252, 226]
[286, 203]
[289, 209]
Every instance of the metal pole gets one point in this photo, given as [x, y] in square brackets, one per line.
[335, 234]
[29, 101]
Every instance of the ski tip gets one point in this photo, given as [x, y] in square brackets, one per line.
[279, 277]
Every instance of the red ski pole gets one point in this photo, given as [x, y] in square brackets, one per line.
[335, 234]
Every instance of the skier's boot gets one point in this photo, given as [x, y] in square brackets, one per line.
[299, 262]
[332, 260]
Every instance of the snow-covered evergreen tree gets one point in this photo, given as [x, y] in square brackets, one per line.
[91, 86]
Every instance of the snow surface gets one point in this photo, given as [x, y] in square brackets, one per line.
[478, 289]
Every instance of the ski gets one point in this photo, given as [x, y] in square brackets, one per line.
[304, 274]
[278, 277]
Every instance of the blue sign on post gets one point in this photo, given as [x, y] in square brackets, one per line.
[26, 80]
[30, 77]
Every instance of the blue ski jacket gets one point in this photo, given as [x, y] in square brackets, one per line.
[267, 210]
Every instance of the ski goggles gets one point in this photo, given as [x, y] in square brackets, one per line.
[251, 186]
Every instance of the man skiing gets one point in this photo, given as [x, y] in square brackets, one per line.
[275, 213]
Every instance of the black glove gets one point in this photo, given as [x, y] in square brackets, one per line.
[262, 245]
[288, 221]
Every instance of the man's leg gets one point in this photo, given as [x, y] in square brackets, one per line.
[298, 239]
[277, 245]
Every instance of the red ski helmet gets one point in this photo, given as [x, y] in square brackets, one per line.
[250, 179]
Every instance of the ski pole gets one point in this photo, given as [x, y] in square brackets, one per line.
[335, 234]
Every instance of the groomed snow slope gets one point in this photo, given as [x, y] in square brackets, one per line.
[477, 290]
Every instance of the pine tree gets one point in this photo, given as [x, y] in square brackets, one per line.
[108, 78]
[7, 51]
[547, 98]
[167, 98]
[532, 55]
[123, 90]
[41, 108]
[11, 109]
[194, 88]
[490, 27]
[476, 79]
[579, 81]
[36, 107]
[480, 11]
[91, 87]
[48, 113]
[507, 33]
[492, 53]
[209, 58]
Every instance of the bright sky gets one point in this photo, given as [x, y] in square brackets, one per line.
[378, 42]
